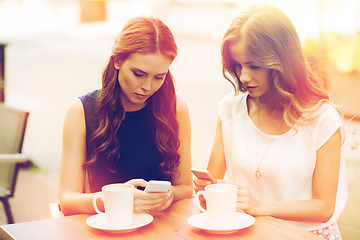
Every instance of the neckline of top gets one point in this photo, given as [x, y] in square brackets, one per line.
[252, 124]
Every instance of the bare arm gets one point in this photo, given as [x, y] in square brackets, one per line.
[72, 175]
[73, 200]
[217, 165]
[183, 186]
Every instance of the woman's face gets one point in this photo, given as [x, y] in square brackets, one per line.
[254, 78]
[140, 76]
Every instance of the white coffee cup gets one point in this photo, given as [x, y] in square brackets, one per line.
[119, 204]
[220, 203]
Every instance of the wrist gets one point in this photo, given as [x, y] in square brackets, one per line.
[264, 208]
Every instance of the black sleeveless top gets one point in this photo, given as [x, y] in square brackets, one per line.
[139, 156]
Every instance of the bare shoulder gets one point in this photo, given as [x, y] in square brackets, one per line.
[75, 113]
[181, 105]
[75, 108]
[183, 118]
[182, 110]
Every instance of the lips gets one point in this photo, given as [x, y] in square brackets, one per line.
[251, 88]
[141, 96]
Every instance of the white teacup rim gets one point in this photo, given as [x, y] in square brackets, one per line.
[217, 187]
[110, 187]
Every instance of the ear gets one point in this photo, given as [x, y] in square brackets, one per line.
[117, 65]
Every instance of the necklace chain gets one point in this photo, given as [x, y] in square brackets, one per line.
[258, 164]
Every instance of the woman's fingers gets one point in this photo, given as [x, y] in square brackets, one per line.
[169, 200]
[200, 184]
[149, 201]
[240, 207]
[137, 182]
[145, 201]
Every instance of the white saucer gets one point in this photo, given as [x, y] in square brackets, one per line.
[242, 220]
[98, 221]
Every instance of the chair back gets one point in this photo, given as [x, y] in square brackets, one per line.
[12, 130]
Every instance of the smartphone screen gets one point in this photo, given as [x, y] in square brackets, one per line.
[157, 186]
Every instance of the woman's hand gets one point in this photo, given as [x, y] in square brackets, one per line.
[146, 201]
[200, 184]
[246, 202]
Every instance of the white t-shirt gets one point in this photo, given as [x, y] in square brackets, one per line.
[288, 164]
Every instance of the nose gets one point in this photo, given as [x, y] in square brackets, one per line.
[244, 76]
[146, 85]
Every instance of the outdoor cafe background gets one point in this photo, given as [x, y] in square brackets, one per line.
[55, 51]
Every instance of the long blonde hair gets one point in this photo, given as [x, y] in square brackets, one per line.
[272, 43]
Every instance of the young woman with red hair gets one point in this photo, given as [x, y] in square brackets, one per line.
[134, 129]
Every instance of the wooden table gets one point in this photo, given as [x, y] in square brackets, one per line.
[170, 224]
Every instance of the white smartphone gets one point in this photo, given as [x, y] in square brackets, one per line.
[157, 186]
[204, 174]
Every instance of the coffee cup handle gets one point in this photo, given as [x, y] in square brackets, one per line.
[96, 196]
[198, 200]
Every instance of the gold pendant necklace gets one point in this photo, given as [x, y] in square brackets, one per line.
[257, 172]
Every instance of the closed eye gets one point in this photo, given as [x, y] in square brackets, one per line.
[159, 77]
[254, 67]
[138, 74]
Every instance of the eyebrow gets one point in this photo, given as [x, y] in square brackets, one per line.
[161, 74]
[245, 63]
[139, 70]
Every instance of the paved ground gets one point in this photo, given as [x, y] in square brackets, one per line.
[54, 62]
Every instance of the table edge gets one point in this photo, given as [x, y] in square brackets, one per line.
[5, 235]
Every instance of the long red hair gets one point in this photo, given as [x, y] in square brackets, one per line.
[140, 35]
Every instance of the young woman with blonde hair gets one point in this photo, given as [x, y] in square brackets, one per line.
[278, 137]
